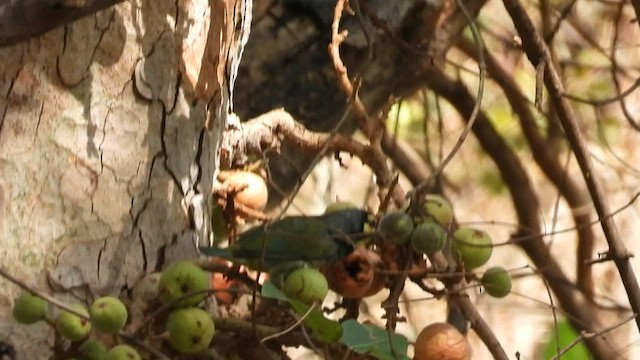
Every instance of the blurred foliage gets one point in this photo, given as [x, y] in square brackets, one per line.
[566, 334]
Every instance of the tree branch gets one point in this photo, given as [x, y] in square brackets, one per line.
[537, 52]
[548, 163]
[526, 205]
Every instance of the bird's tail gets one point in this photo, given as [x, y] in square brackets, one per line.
[224, 253]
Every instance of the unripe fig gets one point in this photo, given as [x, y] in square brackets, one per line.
[471, 247]
[441, 341]
[353, 276]
[438, 208]
[29, 308]
[307, 285]
[396, 227]
[428, 238]
[108, 314]
[182, 278]
[338, 206]
[190, 330]
[496, 282]
[123, 352]
[71, 326]
[92, 350]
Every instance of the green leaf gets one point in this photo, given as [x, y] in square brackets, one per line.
[372, 340]
[270, 291]
[567, 334]
[323, 329]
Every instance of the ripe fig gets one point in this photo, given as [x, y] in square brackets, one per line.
[496, 282]
[428, 238]
[441, 341]
[92, 350]
[182, 278]
[437, 207]
[220, 282]
[396, 227]
[471, 247]
[379, 278]
[29, 308]
[108, 314]
[353, 276]
[307, 285]
[123, 352]
[71, 326]
[190, 330]
[254, 193]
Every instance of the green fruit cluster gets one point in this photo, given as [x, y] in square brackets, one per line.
[426, 232]
[182, 284]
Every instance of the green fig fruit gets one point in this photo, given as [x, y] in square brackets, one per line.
[29, 308]
[396, 227]
[108, 314]
[92, 350]
[496, 282]
[428, 238]
[123, 352]
[471, 247]
[182, 278]
[306, 285]
[438, 208]
[190, 330]
[71, 326]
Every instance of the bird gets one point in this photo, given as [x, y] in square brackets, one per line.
[312, 240]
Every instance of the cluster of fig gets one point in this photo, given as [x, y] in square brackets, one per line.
[107, 315]
[429, 231]
[181, 287]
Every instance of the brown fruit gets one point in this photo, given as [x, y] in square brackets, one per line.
[379, 278]
[219, 283]
[351, 277]
[441, 341]
[251, 189]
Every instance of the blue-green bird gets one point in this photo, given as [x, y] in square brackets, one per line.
[316, 240]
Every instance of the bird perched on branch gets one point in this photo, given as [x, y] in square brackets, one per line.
[314, 240]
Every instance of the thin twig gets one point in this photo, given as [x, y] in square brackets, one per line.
[425, 185]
